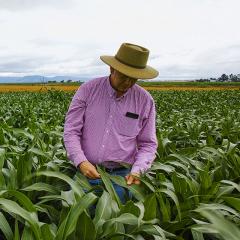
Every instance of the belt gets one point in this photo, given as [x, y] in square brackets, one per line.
[114, 169]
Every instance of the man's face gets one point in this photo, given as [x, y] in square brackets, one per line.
[120, 82]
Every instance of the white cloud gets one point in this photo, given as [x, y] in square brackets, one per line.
[20, 5]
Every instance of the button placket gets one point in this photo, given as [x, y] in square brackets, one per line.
[106, 133]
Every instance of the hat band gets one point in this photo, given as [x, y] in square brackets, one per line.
[130, 65]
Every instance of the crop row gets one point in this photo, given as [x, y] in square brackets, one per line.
[192, 190]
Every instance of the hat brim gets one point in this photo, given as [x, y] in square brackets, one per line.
[138, 73]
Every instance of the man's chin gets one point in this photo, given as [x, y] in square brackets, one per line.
[122, 90]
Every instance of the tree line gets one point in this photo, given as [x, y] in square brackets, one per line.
[224, 78]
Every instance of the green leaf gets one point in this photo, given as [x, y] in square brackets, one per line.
[22, 132]
[126, 218]
[224, 191]
[46, 232]
[83, 181]
[235, 185]
[22, 199]
[148, 185]
[163, 208]
[12, 207]
[109, 186]
[103, 211]
[225, 228]
[115, 236]
[5, 227]
[76, 188]
[40, 186]
[27, 233]
[131, 207]
[197, 235]
[2, 158]
[137, 190]
[234, 202]
[68, 197]
[173, 196]
[39, 152]
[181, 158]
[141, 208]
[150, 205]
[16, 231]
[155, 230]
[86, 229]
[216, 206]
[69, 224]
[164, 167]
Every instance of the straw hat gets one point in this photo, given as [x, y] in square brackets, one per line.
[131, 60]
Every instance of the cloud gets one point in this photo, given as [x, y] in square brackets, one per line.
[19, 5]
[220, 60]
[17, 64]
[185, 38]
[52, 66]
[79, 62]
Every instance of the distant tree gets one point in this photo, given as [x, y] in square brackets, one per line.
[234, 78]
[62, 81]
[223, 78]
[203, 80]
[69, 80]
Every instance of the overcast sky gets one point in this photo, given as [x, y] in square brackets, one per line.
[187, 39]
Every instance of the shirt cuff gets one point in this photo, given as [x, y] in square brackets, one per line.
[137, 169]
[77, 159]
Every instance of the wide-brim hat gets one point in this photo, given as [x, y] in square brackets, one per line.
[131, 60]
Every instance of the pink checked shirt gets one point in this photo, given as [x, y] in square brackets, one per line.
[97, 129]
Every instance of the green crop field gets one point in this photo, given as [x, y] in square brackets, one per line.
[192, 190]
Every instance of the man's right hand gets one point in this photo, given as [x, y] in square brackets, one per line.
[89, 170]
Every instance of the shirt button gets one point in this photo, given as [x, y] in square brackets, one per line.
[107, 131]
[103, 146]
[110, 116]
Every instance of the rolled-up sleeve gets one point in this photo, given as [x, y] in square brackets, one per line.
[73, 125]
[146, 143]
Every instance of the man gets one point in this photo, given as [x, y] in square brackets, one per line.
[111, 121]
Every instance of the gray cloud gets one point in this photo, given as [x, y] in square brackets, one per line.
[179, 71]
[46, 65]
[220, 60]
[16, 64]
[220, 55]
[82, 62]
[208, 63]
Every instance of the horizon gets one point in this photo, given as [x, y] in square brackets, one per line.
[48, 79]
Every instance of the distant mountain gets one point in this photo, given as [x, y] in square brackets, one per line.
[41, 79]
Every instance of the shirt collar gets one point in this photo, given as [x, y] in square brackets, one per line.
[112, 92]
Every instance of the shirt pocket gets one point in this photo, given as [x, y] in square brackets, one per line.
[127, 126]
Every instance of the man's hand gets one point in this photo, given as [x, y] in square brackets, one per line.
[132, 178]
[89, 170]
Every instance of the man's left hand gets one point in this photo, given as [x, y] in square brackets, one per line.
[132, 178]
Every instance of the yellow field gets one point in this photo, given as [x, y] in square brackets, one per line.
[35, 88]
